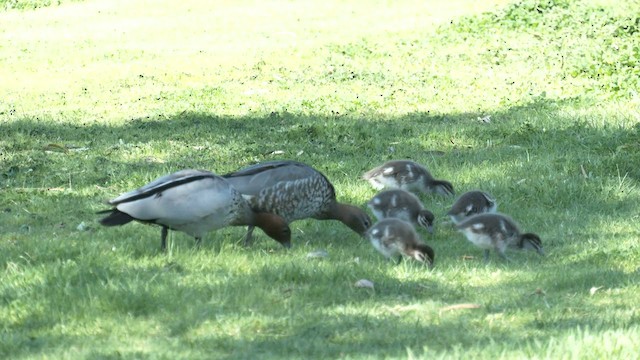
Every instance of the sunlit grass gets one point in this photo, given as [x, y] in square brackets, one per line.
[534, 102]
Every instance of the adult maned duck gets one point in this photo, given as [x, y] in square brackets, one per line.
[499, 232]
[406, 175]
[194, 202]
[294, 191]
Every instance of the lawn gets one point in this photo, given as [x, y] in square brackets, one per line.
[534, 101]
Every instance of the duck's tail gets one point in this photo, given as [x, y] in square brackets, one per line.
[115, 217]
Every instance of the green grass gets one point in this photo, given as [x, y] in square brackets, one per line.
[100, 97]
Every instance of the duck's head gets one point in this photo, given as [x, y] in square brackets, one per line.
[275, 227]
[355, 218]
[530, 241]
[423, 253]
[425, 219]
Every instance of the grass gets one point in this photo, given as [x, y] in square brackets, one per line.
[535, 102]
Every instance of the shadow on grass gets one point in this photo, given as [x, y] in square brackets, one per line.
[92, 162]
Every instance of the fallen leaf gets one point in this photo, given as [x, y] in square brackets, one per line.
[485, 119]
[318, 254]
[594, 289]
[460, 307]
[584, 172]
[435, 152]
[56, 148]
[364, 283]
[539, 291]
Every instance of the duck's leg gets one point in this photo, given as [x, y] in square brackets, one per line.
[503, 256]
[248, 237]
[163, 238]
[198, 241]
[486, 255]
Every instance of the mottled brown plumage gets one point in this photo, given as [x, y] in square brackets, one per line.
[294, 191]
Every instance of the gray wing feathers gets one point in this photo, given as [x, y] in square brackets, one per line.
[162, 182]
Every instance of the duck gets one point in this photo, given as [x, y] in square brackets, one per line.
[294, 191]
[194, 202]
[401, 204]
[499, 232]
[472, 203]
[407, 175]
[395, 238]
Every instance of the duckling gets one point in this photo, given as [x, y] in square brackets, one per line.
[294, 191]
[472, 203]
[401, 204]
[395, 238]
[498, 231]
[406, 175]
[194, 202]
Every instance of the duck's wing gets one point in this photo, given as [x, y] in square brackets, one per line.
[252, 179]
[161, 184]
[183, 199]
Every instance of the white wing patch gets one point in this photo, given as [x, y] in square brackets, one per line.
[388, 171]
[503, 226]
[409, 171]
[477, 226]
[387, 231]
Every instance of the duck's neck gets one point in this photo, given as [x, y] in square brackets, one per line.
[346, 214]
